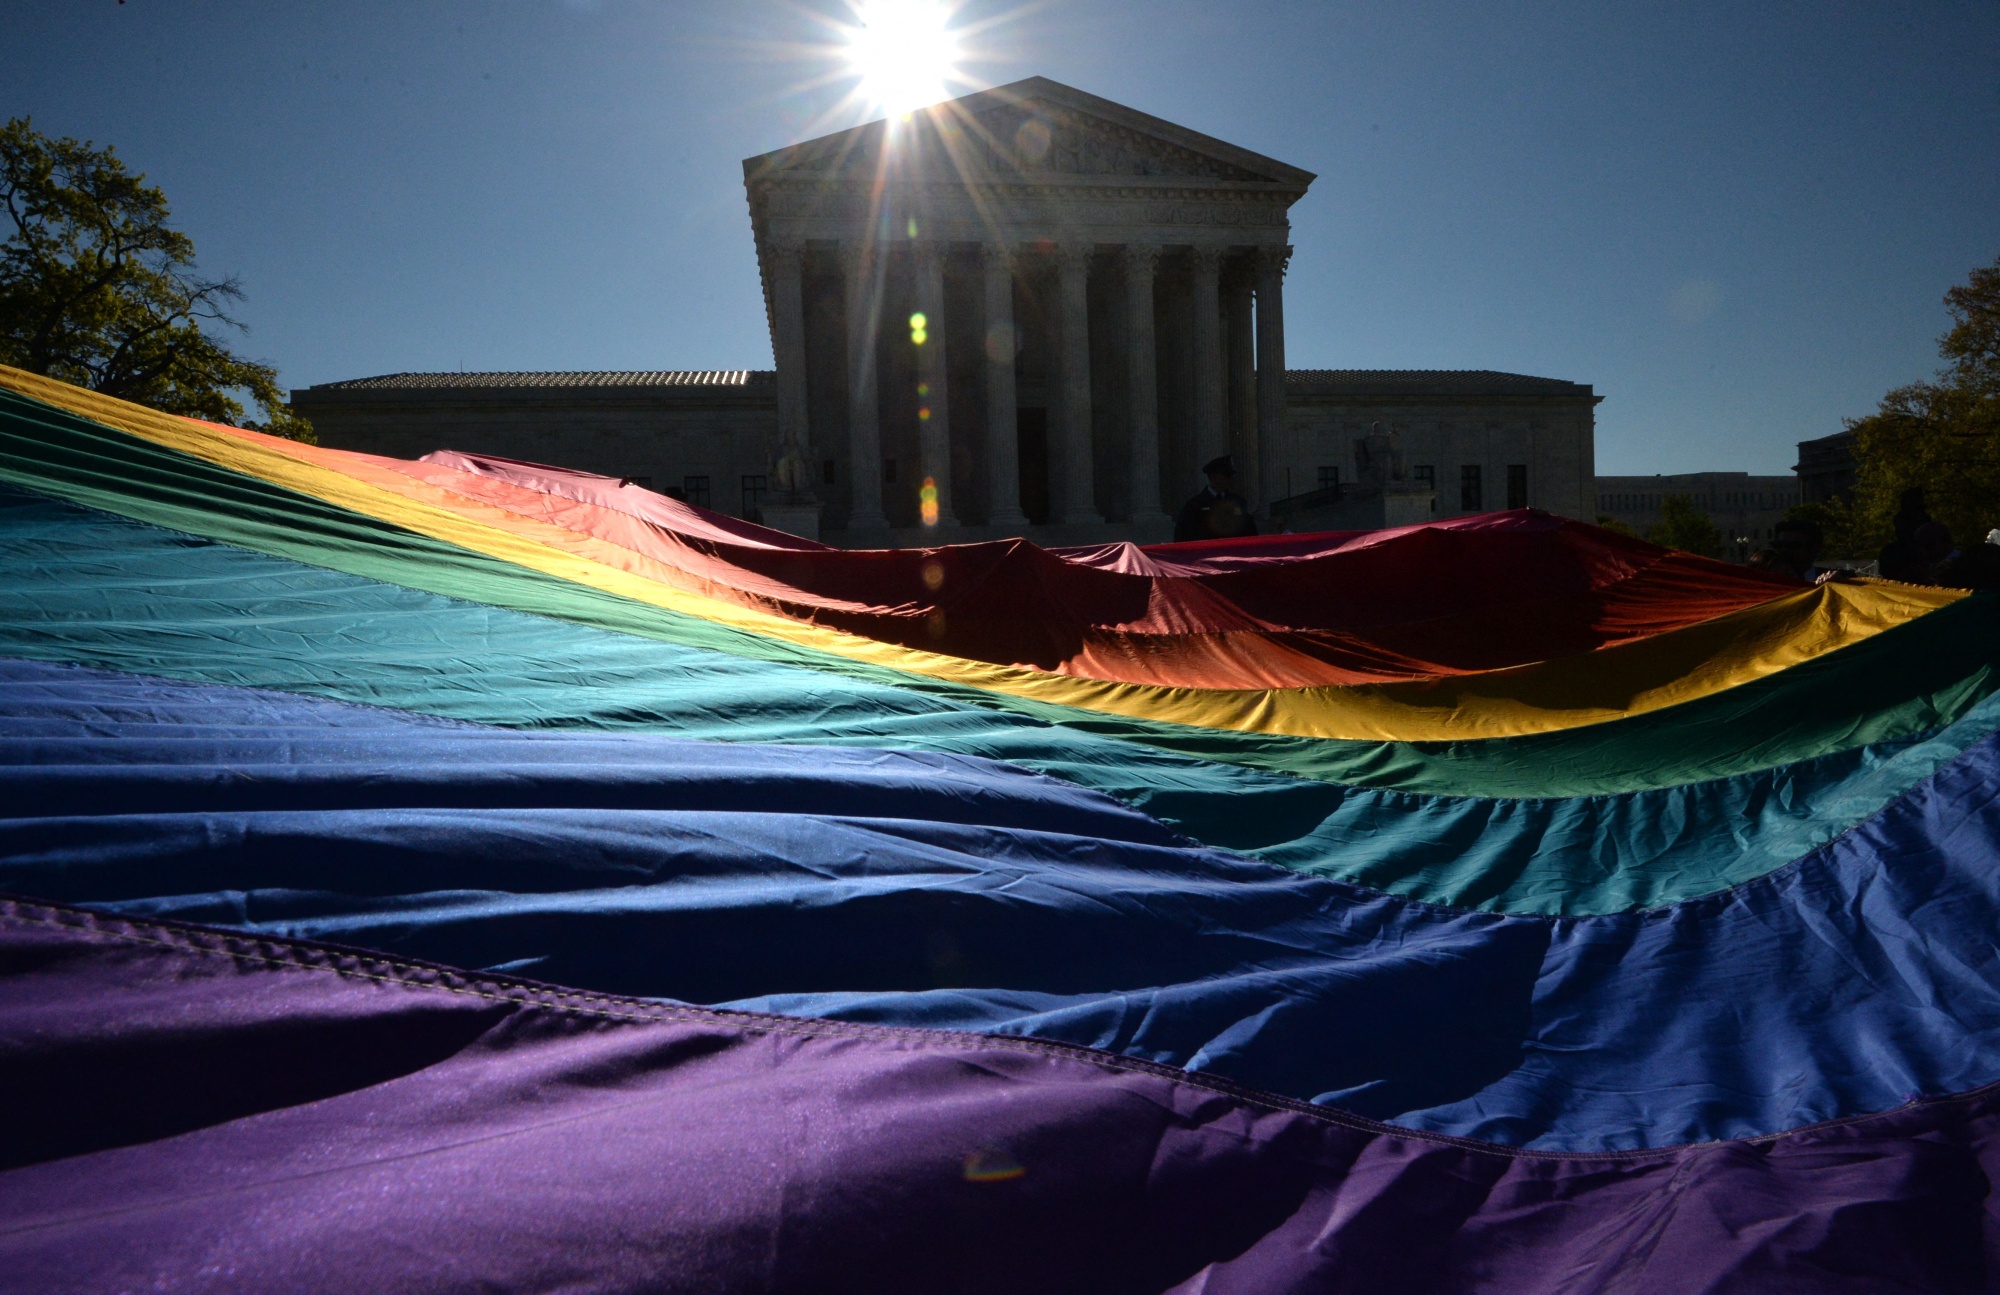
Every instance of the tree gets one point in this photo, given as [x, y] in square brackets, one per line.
[1610, 523]
[96, 289]
[1942, 435]
[1683, 526]
[1842, 532]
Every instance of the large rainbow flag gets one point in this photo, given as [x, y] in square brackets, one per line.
[465, 875]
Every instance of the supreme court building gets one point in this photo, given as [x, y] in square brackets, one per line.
[1028, 311]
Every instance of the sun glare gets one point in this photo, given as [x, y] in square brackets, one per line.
[904, 51]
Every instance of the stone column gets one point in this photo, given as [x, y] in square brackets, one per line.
[1242, 402]
[933, 391]
[1271, 361]
[1074, 464]
[864, 412]
[1003, 451]
[788, 343]
[1211, 437]
[1143, 401]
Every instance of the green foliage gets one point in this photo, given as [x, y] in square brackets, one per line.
[1942, 435]
[97, 290]
[1841, 528]
[1683, 526]
[1610, 523]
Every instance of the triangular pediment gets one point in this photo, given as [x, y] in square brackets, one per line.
[1035, 128]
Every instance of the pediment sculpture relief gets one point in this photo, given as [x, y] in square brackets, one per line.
[1032, 138]
[1024, 139]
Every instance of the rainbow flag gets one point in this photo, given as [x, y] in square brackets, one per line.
[467, 874]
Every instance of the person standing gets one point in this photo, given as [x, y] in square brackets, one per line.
[1216, 511]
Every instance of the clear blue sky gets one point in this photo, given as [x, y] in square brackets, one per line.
[1736, 220]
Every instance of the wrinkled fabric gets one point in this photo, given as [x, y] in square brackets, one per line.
[303, 1119]
[84, 587]
[1494, 905]
[1499, 590]
[160, 469]
[958, 893]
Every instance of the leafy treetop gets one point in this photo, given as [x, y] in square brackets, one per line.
[1684, 526]
[96, 289]
[1942, 436]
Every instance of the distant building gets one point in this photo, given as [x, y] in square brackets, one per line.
[1477, 441]
[1050, 308]
[1481, 440]
[705, 433]
[1826, 468]
[1744, 508]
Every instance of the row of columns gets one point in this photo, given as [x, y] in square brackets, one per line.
[1073, 461]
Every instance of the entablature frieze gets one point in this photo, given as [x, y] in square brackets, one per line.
[1026, 247]
[1152, 223]
[1022, 214]
[1024, 194]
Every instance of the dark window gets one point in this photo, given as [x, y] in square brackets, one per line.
[1469, 494]
[1517, 485]
[826, 472]
[1031, 438]
[754, 490]
[889, 471]
[1426, 475]
[1329, 478]
[695, 491]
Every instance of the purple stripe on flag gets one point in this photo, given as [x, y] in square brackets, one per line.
[193, 1110]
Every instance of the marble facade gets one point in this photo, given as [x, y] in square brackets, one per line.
[1101, 294]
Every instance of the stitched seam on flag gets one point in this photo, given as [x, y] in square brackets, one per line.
[1776, 875]
[287, 955]
[1275, 712]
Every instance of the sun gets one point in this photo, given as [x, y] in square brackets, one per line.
[904, 51]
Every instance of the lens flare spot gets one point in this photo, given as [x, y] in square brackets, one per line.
[1032, 140]
[919, 328]
[924, 414]
[992, 1165]
[933, 573]
[912, 227]
[1000, 344]
[923, 389]
[927, 501]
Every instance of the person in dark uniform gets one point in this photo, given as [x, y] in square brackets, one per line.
[1217, 512]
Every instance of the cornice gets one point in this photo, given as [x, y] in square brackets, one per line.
[1524, 400]
[1035, 95]
[1033, 187]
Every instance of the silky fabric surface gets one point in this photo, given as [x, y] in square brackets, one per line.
[255, 493]
[1468, 594]
[954, 892]
[312, 1121]
[91, 589]
[1464, 594]
[88, 588]
[1660, 957]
